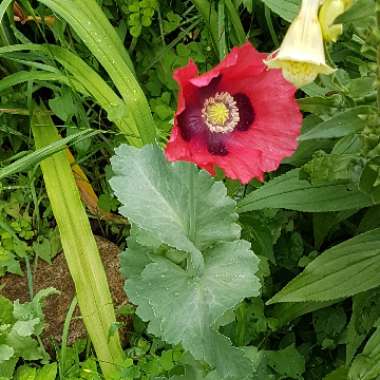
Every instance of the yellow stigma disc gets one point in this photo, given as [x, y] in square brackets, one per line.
[217, 113]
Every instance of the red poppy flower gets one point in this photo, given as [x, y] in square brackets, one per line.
[239, 116]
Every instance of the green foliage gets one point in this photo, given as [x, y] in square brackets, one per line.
[328, 325]
[287, 9]
[286, 363]
[366, 366]
[365, 313]
[342, 271]
[339, 168]
[290, 192]
[185, 209]
[84, 74]
[361, 10]
[340, 125]
[88, 20]
[38, 155]
[47, 372]
[172, 199]
[283, 364]
[140, 13]
[20, 326]
[19, 238]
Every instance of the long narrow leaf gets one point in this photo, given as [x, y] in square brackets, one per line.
[236, 22]
[290, 192]
[92, 26]
[39, 154]
[342, 271]
[286, 9]
[81, 77]
[3, 8]
[209, 15]
[25, 76]
[79, 247]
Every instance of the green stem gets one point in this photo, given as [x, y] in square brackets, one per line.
[222, 46]
[209, 16]
[236, 22]
[29, 276]
[196, 260]
[65, 334]
[272, 32]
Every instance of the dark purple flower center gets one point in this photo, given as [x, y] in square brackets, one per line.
[215, 116]
[246, 112]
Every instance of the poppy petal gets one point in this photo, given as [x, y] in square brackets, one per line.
[246, 111]
[216, 144]
[182, 76]
[190, 122]
[241, 61]
[270, 120]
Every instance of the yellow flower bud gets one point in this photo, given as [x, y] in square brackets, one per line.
[330, 10]
[301, 55]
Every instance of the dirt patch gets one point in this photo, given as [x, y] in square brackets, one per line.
[57, 276]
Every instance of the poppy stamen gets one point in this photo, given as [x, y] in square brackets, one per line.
[220, 113]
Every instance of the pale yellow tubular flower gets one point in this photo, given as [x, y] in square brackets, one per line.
[330, 10]
[301, 55]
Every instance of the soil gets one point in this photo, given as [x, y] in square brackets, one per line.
[57, 275]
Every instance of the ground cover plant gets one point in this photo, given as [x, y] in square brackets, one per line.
[228, 150]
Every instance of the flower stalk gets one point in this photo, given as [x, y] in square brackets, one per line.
[212, 20]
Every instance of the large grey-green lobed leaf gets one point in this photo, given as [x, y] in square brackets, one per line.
[134, 259]
[342, 271]
[175, 202]
[184, 309]
[289, 192]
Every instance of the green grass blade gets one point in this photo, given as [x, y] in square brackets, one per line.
[25, 76]
[92, 26]
[81, 77]
[236, 22]
[3, 8]
[38, 155]
[95, 85]
[79, 247]
[272, 32]
[209, 15]
[222, 45]
[211, 18]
